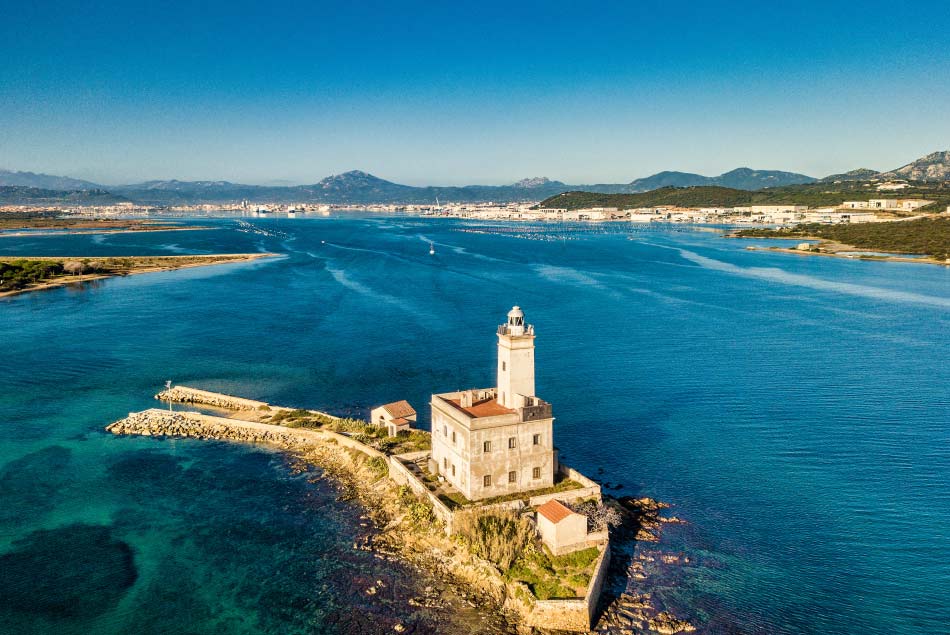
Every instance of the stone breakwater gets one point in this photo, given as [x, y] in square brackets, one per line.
[184, 394]
[160, 423]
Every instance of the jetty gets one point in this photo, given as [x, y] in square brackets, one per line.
[485, 486]
[245, 423]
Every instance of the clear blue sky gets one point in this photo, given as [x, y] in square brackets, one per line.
[468, 92]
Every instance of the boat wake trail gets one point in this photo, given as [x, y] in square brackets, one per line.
[773, 274]
[340, 276]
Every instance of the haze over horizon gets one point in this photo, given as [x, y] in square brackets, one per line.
[456, 95]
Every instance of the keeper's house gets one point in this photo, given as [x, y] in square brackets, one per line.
[495, 441]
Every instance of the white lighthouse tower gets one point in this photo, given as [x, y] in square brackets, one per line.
[515, 360]
[497, 441]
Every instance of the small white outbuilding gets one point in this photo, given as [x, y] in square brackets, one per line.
[396, 417]
[561, 529]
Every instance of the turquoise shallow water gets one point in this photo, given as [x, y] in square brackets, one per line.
[794, 410]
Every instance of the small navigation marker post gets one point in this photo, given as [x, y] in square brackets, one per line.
[168, 386]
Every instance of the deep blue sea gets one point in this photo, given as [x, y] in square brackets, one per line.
[794, 410]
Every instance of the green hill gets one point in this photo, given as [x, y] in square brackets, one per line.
[698, 196]
[929, 236]
[811, 194]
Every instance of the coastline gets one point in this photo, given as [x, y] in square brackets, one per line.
[25, 232]
[173, 263]
[367, 478]
[895, 258]
[834, 249]
[349, 464]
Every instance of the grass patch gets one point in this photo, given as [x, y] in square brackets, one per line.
[418, 510]
[454, 501]
[561, 486]
[554, 577]
[373, 436]
[576, 559]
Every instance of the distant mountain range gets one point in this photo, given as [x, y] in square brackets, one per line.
[22, 195]
[933, 167]
[738, 179]
[359, 188]
[861, 174]
[45, 181]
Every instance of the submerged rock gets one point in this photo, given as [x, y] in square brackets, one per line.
[33, 484]
[668, 624]
[77, 571]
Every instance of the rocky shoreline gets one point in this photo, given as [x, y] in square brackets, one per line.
[394, 535]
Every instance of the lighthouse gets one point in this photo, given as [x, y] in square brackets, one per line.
[497, 441]
[515, 360]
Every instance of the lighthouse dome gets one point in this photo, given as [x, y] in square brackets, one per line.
[516, 324]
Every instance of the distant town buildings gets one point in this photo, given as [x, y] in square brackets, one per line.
[900, 204]
[769, 215]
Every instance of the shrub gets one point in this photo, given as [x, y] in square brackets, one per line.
[418, 512]
[349, 425]
[497, 536]
[599, 515]
[379, 466]
[387, 444]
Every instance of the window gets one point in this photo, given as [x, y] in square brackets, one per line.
[453, 437]
[511, 443]
[536, 440]
[512, 477]
[453, 469]
[503, 366]
[487, 446]
[486, 481]
[536, 472]
[445, 464]
[445, 431]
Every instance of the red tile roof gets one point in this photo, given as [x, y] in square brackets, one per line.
[554, 511]
[484, 408]
[399, 421]
[400, 409]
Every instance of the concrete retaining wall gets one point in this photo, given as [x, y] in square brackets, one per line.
[590, 489]
[578, 614]
[402, 475]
